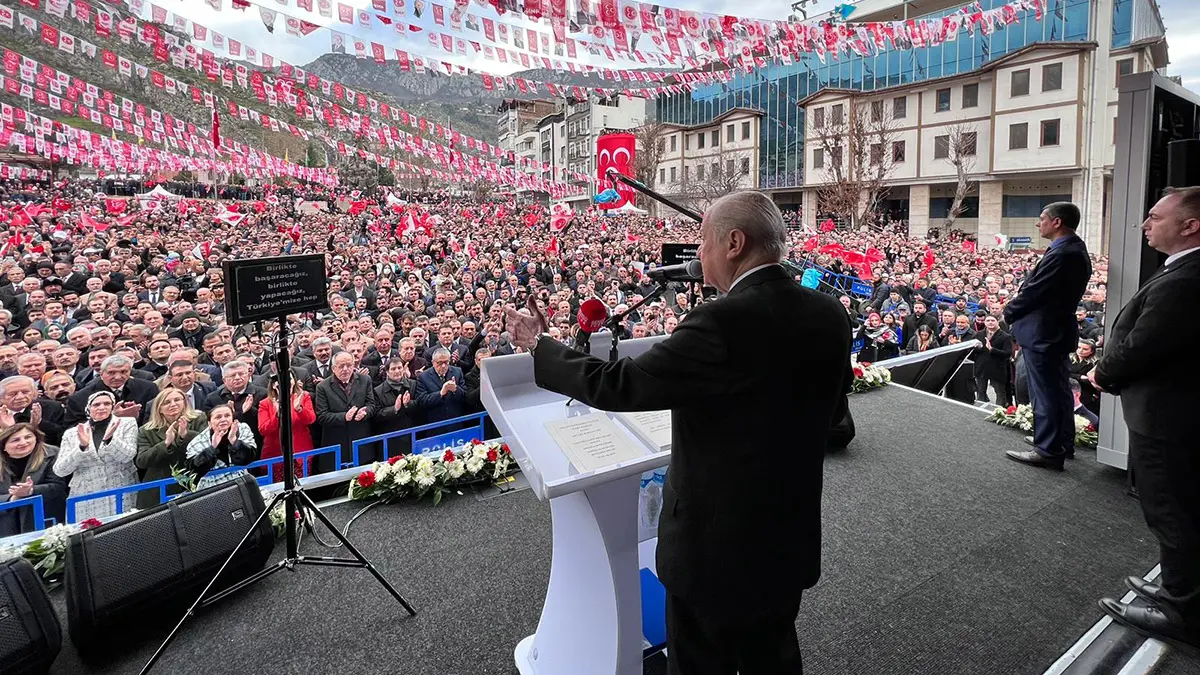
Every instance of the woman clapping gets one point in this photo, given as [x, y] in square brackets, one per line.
[162, 442]
[225, 443]
[99, 454]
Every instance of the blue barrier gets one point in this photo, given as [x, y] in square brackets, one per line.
[844, 283]
[438, 443]
[163, 484]
[34, 502]
[972, 307]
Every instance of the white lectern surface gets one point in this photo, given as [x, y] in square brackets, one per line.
[520, 410]
[591, 622]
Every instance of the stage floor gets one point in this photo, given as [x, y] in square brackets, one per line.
[940, 556]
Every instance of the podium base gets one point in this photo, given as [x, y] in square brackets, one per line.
[523, 655]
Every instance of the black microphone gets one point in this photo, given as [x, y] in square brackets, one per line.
[688, 271]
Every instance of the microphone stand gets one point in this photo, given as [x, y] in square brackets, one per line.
[615, 320]
[616, 176]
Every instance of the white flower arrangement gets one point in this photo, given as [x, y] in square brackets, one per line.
[48, 552]
[418, 475]
[868, 376]
[1021, 417]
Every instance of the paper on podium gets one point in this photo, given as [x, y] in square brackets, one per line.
[592, 442]
[652, 427]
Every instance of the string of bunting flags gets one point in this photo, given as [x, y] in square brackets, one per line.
[286, 88]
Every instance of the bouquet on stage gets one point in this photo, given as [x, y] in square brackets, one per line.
[414, 476]
[868, 376]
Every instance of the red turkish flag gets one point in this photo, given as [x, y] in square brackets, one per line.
[115, 206]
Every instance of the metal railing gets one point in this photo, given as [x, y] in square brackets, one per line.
[35, 503]
[474, 428]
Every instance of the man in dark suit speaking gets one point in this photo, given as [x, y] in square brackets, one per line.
[733, 553]
[1159, 400]
[1042, 317]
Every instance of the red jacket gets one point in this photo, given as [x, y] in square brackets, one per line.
[268, 426]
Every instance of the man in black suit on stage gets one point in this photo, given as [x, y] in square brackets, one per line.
[733, 556]
[1160, 401]
[1042, 317]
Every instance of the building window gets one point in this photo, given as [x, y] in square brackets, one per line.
[876, 154]
[699, 172]
[685, 171]
[745, 166]
[1052, 77]
[1018, 136]
[818, 119]
[900, 107]
[729, 167]
[716, 137]
[1124, 67]
[673, 144]
[967, 144]
[687, 142]
[1020, 83]
[662, 145]
[836, 115]
[745, 131]
[818, 158]
[662, 175]
[835, 155]
[941, 147]
[1049, 132]
[943, 100]
[897, 151]
[876, 111]
[970, 95]
[728, 133]
[700, 141]
[714, 170]
[672, 174]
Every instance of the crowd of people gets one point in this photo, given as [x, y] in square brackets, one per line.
[118, 366]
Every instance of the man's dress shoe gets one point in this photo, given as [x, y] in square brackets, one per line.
[1034, 458]
[1152, 622]
[1029, 441]
[1149, 591]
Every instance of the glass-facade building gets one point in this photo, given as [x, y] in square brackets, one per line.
[777, 90]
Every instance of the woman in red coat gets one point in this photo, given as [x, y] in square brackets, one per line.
[268, 425]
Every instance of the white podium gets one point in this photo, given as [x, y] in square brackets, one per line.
[592, 619]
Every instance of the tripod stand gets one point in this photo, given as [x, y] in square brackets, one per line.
[292, 497]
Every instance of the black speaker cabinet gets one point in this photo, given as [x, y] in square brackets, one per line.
[30, 635]
[1183, 162]
[146, 569]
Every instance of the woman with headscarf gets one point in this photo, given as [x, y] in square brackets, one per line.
[225, 443]
[880, 341]
[26, 471]
[99, 453]
[162, 442]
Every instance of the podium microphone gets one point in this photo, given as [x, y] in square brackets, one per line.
[688, 271]
[591, 318]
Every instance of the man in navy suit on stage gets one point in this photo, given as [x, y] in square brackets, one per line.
[1042, 317]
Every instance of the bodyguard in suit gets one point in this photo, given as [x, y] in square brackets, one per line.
[1160, 402]
[1042, 317]
[720, 542]
[345, 404]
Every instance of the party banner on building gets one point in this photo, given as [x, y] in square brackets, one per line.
[615, 151]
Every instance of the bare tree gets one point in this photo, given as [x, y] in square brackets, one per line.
[856, 140]
[651, 146]
[713, 178]
[481, 189]
[961, 146]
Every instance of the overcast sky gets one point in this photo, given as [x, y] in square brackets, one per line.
[1182, 18]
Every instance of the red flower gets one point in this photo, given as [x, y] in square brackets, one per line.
[1091, 427]
[397, 458]
[366, 479]
[858, 372]
[504, 449]
[476, 441]
[90, 523]
[865, 364]
[1010, 410]
[492, 455]
[449, 456]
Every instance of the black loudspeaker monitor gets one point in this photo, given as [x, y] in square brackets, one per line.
[140, 572]
[1183, 162]
[30, 635]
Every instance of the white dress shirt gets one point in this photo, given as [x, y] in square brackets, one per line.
[1174, 257]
